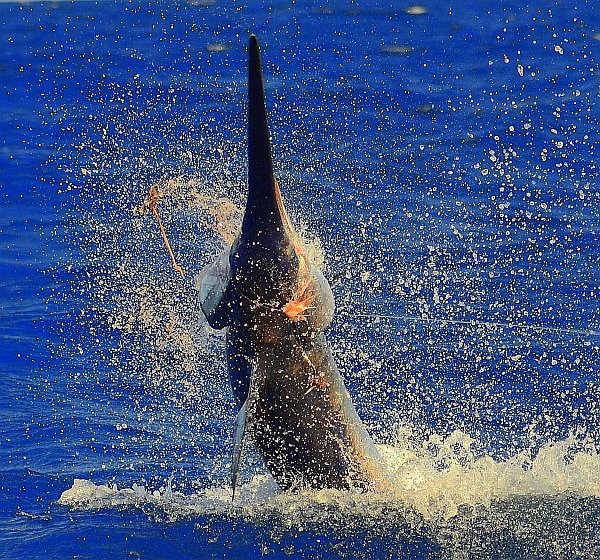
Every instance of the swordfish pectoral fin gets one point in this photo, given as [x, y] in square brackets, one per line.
[214, 284]
[238, 446]
[243, 424]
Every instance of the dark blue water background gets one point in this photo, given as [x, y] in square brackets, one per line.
[446, 162]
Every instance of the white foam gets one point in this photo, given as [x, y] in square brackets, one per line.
[437, 485]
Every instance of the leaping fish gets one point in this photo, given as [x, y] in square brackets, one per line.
[276, 305]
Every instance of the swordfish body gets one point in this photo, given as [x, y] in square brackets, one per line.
[275, 305]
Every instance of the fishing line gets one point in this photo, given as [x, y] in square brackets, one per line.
[488, 324]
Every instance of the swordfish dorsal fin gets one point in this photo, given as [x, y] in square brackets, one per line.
[264, 217]
[265, 226]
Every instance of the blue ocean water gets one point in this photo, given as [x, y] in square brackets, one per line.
[442, 162]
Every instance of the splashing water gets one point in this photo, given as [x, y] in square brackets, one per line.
[435, 492]
[461, 401]
[469, 506]
[441, 481]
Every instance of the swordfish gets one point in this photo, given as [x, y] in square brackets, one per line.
[276, 305]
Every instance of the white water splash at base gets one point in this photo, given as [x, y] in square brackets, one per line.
[436, 486]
